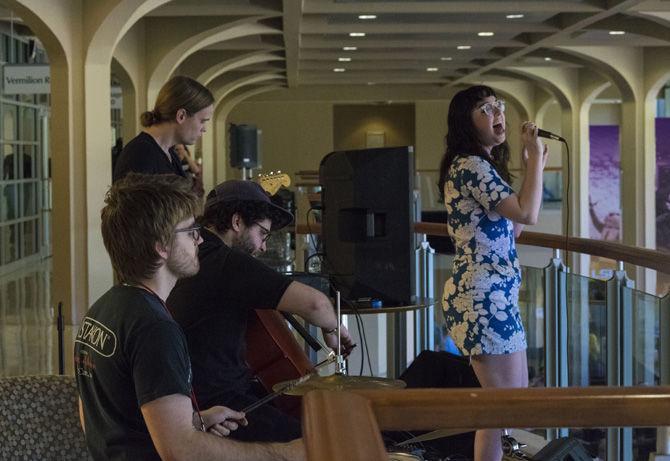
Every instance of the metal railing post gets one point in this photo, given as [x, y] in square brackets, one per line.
[424, 320]
[556, 330]
[619, 355]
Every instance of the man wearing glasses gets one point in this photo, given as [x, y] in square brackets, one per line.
[212, 307]
[131, 358]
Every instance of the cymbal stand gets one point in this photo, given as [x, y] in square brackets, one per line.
[341, 364]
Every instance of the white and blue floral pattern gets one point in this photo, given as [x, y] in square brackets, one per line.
[481, 298]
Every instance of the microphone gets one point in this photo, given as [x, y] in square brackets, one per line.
[549, 135]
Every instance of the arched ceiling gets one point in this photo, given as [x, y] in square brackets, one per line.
[406, 42]
[407, 38]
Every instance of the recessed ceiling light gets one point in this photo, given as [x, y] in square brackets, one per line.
[432, 69]
[356, 34]
[445, 58]
[547, 58]
[349, 48]
[367, 16]
[344, 59]
[339, 69]
[617, 32]
[486, 34]
[514, 16]
[463, 47]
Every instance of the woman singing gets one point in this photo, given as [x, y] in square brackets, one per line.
[481, 299]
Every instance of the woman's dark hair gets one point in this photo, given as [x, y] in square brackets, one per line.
[178, 93]
[462, 138]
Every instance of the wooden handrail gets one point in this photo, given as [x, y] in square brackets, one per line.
[651, 259]
[329, 435]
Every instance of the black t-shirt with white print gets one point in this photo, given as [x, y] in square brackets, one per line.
[128, 352]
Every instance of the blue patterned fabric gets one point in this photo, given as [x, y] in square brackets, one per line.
[481, 298]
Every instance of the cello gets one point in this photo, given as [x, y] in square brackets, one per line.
[274, 355]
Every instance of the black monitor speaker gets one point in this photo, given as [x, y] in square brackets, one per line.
[244, 146]
[367, 223]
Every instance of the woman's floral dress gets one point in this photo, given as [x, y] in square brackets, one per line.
[481, 299]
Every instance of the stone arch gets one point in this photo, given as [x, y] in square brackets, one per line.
[256, 57]
[129, 112]
[105, 25]
[226, 89]
[178, 53]
[69, 282]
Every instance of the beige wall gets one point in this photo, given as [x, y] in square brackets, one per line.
[296, 135]
[352, 123]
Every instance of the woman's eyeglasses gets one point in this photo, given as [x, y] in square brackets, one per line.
[193, 232]
[489, 108]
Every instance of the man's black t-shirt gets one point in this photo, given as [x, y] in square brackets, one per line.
[212, 309]
[128, 352]
[143, 155]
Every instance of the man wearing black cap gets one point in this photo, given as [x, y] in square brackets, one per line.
[212, 307]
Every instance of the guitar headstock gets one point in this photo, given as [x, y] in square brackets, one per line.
[272, 182]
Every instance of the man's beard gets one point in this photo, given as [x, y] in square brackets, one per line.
[182, 264]
[244, 244]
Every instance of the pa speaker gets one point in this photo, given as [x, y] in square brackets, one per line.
[244, 146]
[367, 228]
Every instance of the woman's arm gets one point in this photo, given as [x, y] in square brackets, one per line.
[524, 207]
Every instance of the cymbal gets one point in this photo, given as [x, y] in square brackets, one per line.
[339, 382]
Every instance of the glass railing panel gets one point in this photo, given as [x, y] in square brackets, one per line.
[587, 330]
[442, 265]
[586, 303]
[532, 309]
[646, 359]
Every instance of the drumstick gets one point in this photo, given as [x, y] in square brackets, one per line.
[286, 387]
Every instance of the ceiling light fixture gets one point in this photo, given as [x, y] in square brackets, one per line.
[514, 16]
[617, 32]
[344, 59]
[445, 58]
[367, 16]
[432, 69]
[463, 47]
[339, 69]
[356, 34]
[547, 58]
[349, 48]
[486, 34]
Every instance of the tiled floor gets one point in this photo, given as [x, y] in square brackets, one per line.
[28, 334]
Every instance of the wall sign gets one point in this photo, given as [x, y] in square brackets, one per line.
[26, 79]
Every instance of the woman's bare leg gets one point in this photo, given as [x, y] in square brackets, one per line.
[509, 370]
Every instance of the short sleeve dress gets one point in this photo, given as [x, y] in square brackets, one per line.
[481, 299]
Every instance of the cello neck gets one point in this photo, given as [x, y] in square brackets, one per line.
[314, 343]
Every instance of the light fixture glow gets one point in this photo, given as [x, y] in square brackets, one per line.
[514, 16]
[463, 47]
[339, 69]
[356, 34]
[431, 69]
[547, 58]
[367, 16]
[486, 34]
[445, 58]
[617, 32]
[349, 48]
[344, 59]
